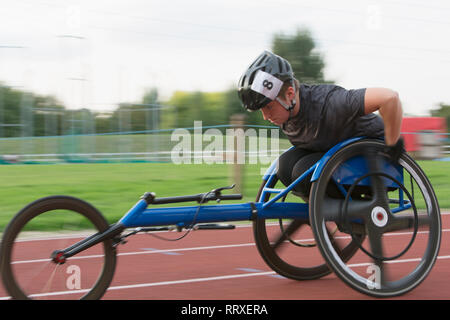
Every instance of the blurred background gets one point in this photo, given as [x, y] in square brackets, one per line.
[108, 82]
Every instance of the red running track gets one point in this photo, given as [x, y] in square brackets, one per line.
[226, 265]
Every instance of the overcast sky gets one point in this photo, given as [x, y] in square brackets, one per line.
[98, 53]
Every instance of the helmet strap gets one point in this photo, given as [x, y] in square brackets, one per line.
[293, 102]
[286, 106]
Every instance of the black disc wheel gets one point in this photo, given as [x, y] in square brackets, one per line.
[288, 246]
[396, 208]
[43, 227]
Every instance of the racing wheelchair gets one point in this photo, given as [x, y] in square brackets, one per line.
[384, 214]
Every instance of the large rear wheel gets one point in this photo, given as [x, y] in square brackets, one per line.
[400, 215]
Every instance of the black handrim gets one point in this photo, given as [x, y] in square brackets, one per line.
[388, 288]
[347, 221]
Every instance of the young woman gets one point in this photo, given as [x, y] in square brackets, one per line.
[316, 117]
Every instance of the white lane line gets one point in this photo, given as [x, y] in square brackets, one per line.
[165, 252]
[145, 252]
[163, 283]
[168, 251]
[233, 276]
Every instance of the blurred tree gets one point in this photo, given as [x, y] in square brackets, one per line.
[299, 50]
[103, 122]
[188, 107]
[182, 114]
[48, 116]
[23, 113]
[153, 114]
[127, 117]
[443, 111]
[213, 111]
[10, 114]
[79, 121]
[151, 96]
[133, 116]
[232, 103]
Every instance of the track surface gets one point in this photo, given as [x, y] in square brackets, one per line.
[226, 265]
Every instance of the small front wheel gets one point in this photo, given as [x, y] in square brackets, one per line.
[44, 227]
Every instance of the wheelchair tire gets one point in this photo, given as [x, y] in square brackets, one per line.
[27, 269]
[387, 277]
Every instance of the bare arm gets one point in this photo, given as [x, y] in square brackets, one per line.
[388, 103]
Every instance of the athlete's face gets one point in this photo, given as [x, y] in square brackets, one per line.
[275, 113]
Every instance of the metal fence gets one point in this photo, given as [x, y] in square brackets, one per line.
[208, 143]
[163, 145]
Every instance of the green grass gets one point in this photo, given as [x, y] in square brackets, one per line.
[114, 188]
[439, 175]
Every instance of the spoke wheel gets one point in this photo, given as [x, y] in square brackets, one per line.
[288, 246]
[400, 217]
[28, 271]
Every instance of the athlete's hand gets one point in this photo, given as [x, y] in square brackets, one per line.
[395, 151]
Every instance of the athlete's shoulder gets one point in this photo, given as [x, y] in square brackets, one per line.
[322, 88]
[318, 93]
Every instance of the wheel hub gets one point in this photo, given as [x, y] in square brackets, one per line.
[379, 216]
[58, 257]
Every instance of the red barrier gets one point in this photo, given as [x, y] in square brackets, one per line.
[411, 126]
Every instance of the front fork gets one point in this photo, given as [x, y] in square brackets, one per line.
[60, 256]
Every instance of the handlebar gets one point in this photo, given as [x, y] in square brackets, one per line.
[200, 198]
[236, 196]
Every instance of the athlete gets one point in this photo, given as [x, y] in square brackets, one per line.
[316, 117]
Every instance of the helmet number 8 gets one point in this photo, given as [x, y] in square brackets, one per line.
[267, 84]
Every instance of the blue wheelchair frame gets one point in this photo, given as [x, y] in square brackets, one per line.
[139, 216]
